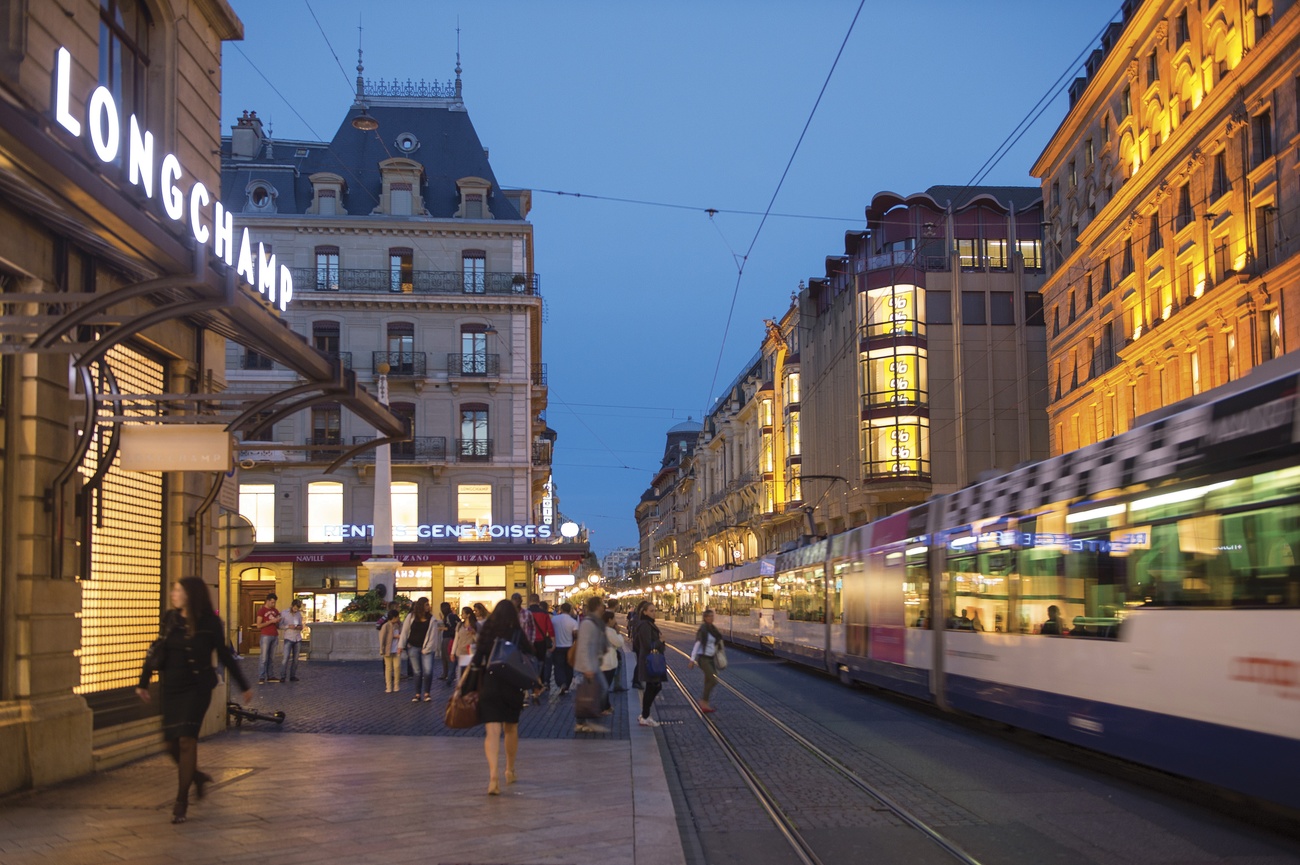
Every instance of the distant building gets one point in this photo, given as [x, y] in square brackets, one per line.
[1169, 191]
[620, 563]
[923, 356]
[665, 516]
[407, 257]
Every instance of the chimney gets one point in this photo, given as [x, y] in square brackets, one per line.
[246, 137]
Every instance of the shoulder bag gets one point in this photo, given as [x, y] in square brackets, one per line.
[462, 708]
[511, 665]
[656, 666]
[720, 658]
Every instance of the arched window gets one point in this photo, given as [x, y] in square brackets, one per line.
[473, 350]
[474, 445]
[401, 348]
[327, 268]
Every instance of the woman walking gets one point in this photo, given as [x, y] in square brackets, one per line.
[462, 645]
[390, 650]
[419, 639]
[449, 623]
[707, 640]
[182, 654]
[609, 661]
[647, 639]
[499, 703]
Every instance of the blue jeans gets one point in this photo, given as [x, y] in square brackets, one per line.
[563, 672]
[290, 650]
[265, 663]
[421, 669]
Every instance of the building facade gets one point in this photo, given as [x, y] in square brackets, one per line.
[618, 565]
[666, 515]
[923, 353]
[412, 263]
[121, 287]
[1171, 202]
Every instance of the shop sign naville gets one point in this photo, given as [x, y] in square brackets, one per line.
[106, 130]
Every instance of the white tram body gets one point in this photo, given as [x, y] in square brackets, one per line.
[1140, 597]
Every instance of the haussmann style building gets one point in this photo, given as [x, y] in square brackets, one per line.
[409, 261]
[1173, 211]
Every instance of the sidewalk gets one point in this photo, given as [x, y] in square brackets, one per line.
[323, 798]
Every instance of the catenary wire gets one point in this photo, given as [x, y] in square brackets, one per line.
[338, 62]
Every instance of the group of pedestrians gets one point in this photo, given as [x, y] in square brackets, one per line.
[285, 626]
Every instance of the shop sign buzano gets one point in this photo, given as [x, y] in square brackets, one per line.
[107, 130]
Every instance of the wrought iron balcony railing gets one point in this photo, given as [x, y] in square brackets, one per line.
[474, 364]
[539, 374]
[400, 363]
[420, 449]
[344, 356]
[324, 446]
[473, 450]
[379, 280]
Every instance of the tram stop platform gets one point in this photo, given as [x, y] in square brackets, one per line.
[373, 791]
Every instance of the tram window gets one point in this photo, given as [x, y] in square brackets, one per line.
[802, 594]
[916, 591]
[978, 592]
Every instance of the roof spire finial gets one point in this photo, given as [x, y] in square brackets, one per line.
[361, 67]
[457, 57]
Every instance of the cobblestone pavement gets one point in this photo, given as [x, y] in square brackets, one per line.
[348, 697]
[1000, 802]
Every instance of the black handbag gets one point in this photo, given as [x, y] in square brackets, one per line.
[511, 665]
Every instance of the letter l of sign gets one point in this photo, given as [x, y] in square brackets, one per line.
[62, 86]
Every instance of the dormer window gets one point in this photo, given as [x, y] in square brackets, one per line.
[475, 193]
[403, 179]
[327, 194]
[261, 197]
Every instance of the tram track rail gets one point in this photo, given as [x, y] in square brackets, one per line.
[785, 824]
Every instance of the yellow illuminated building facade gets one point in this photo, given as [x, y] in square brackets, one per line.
[1171, 201]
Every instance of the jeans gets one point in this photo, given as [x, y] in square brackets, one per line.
[265, 663]
[710, 674]
[609, 676]
[421, 669]
[563, 672]
[652, 690]
[290, 649]
[539, 649]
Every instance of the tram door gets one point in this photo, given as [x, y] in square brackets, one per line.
[252, 597]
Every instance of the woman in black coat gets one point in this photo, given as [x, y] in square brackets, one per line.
[499, 702]
[647, 639]
[191, 632]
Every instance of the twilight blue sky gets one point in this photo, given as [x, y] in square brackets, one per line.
[686, 103]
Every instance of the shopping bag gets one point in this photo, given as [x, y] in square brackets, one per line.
[586, 701]
[720, 658]
[462, 708]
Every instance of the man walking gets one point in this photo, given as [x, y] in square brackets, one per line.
[591, 646]
[566, 628]
[268, 623]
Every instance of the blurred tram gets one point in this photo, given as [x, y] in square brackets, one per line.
[1139, 597]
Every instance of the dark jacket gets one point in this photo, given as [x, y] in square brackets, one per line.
[185, 660]
[646, 639]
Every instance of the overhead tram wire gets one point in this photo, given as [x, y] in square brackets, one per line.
[694, 208]
[328, 45]
[740, 270]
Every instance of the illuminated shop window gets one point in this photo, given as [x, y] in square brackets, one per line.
[895, 376]
[406, 512]
[897, 310]
[896, 447]
[257, 505]
[324, 512]
[474, 505]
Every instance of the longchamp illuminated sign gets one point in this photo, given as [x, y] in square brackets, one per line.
[104, 127]
[467, 530]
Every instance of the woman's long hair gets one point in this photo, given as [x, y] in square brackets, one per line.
[198, 601]
[421, 610]
[642, 607]
[503, 622]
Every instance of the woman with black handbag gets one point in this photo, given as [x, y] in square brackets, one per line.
[501, 698]
[191, 632]
[648, 642]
